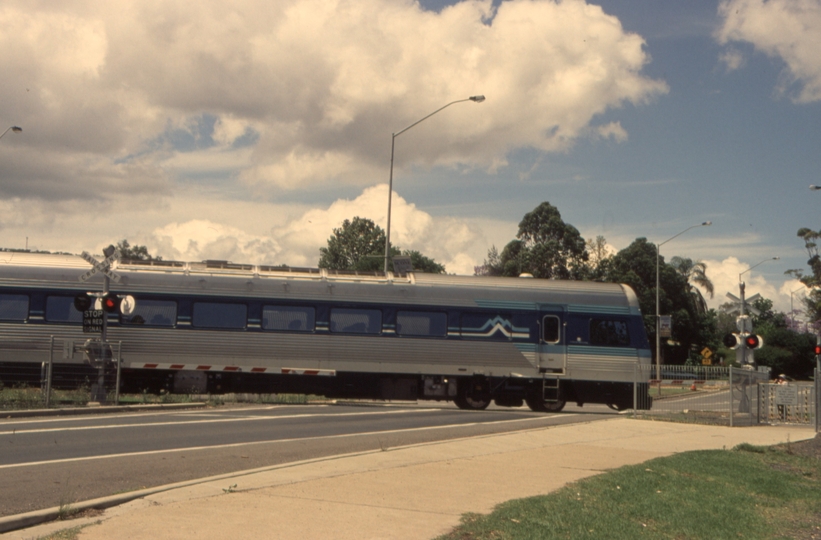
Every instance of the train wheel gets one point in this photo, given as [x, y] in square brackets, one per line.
[539, 405]
[471, 403]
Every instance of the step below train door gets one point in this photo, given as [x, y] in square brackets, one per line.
[552, 342]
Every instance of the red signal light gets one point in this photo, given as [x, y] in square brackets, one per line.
[111, 303]
[818, 350]
[752, 341]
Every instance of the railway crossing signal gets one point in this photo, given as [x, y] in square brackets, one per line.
[744, 345]
[752, 341]
[82, 302]
[102, 267]
[111, 303]
[732, 341]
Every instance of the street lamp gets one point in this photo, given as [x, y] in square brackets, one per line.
[15, 129]
[755, 265]
[815, 188]
[658, 316]
[792, 310]
[477, 99]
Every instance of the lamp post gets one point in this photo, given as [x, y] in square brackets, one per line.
[792, 310]
[743, 304]
[477, 99]
[658, 316]
[741, 287]
[15, 129]
[756, 265]
[815, 188]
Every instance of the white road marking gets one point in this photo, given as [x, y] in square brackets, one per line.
[158, 412]
[208, 421]
[236, 445]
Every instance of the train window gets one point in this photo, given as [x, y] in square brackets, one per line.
[217, 315]
[153, 313]
[14, 307]
[356, 321]
[551, 329]
[293, 318]
[61, 309]
[609, 332]
[421, 323]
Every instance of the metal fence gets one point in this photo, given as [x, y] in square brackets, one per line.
[725, 396]
[56, 382]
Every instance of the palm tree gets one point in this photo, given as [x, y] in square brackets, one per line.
[694, 273]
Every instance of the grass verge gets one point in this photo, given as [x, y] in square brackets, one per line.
[749, 492]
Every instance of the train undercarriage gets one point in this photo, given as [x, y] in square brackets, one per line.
[466, 392]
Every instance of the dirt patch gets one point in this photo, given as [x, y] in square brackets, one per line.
[87, 513]
[809, 448]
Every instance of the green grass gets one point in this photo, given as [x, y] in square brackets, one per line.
[749, 492]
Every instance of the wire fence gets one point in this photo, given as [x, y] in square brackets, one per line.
[725, 396]
[55, 382]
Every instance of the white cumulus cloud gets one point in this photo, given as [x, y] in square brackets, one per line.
[785, 29]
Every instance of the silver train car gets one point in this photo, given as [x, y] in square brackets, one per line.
[219, 327]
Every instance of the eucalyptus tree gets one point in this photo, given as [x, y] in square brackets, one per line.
[636, 266]
[359, 245]
[545, 247]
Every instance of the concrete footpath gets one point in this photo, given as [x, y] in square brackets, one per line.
[414, 492]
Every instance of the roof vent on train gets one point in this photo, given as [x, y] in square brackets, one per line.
[227, 265]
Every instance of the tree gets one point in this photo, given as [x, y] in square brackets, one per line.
[135, 253]
[785, 350]
[636, 266]
[357, 245]
[545, 247]
[360, 245]
[600, 257]
[492, 266]
[695, 273]
[421, 263]
[812, 301]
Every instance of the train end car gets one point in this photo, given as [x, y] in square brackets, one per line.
[218, 327]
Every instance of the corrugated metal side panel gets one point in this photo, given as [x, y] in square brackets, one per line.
[318, 351]
[29, 343]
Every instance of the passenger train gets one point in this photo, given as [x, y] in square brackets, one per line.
[219, 327]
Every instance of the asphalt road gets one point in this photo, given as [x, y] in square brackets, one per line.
[58, 461]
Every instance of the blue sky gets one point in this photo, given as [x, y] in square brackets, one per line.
[247, 132]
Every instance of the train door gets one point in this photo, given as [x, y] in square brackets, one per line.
[552, 342]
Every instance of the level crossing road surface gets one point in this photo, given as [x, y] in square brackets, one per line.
[51, 462]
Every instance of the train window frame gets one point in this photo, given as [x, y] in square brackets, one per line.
[75, 317]
[234, 321]
[127, 320]
[558, 329]
[15, 298]
[443, 323]
[613, 338]
[348, 329]
[310, 322]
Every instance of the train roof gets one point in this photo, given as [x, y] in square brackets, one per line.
[239, 279]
